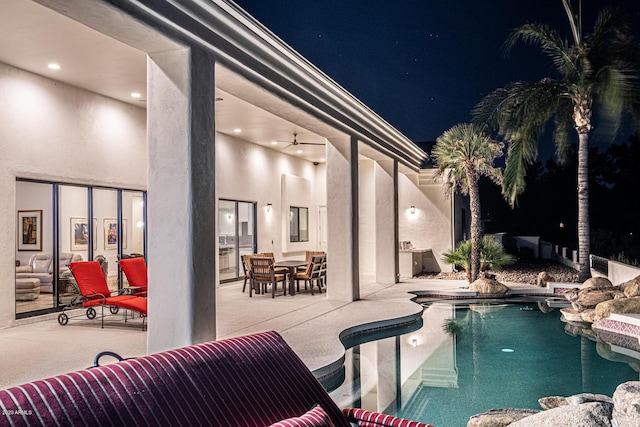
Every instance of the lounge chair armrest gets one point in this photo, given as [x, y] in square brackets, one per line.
[364, 418]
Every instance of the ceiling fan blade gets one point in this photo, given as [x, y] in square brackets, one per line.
[287, 146]
[310, 143]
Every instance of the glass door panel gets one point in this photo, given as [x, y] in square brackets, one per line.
[227, 240]
[34, 247]
[246, 232]
[237, 236]
[76, 231]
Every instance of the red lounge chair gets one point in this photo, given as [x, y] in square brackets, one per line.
[95, 292]
[136, 271]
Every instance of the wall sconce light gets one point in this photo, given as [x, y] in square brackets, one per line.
[268, 207]
[414, 342]
[413, 210]
[229, 216]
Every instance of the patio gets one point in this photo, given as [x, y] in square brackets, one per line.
[310, 324]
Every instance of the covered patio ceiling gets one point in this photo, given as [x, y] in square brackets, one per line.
[35, 36]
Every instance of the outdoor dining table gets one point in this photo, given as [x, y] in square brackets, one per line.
[291, 265]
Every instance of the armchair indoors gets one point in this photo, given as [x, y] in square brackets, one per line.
[40, 266]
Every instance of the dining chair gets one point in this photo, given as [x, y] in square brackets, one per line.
[312, 274]
[246, 267]
[263, 274]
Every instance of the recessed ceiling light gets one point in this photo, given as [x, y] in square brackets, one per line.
[322, 159]
[274, 142]
[54, 66]
[237, 130]
[135, 94]
[299, 151]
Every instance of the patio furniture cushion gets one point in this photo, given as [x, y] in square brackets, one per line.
[315, 417]
[254, 380]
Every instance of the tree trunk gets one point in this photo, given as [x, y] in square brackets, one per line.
[583, 206]
[476, 231]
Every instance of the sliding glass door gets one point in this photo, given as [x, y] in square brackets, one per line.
[237, 236]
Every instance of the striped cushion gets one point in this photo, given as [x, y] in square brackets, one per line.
[255, 380]
[315, 417]
[364, 418]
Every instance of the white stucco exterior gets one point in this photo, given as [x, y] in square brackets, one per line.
[179, 151]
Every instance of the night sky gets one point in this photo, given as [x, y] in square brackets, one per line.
[421, 64]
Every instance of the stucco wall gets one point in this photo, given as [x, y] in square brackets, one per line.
[253, 173]
[430, 226]
[52, 131]
[367, 220]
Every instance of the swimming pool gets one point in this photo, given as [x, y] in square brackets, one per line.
[494, 355]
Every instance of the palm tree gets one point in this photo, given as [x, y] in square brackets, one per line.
[598, 72]
[492, 256]
[463, 154]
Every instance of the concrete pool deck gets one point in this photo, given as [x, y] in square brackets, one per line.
[310, 324]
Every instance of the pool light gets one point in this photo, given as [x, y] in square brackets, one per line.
[507, 350]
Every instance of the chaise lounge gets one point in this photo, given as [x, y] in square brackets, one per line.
[255, 380]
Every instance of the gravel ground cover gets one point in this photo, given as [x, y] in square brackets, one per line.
[521, 272]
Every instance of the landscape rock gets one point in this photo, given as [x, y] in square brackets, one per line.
[551, 402]
[592, 414]
[571, 294]
[488, 286]
[543, 278]
[620, 305]
[626, 400]
[588, 315]
[571, 314]
[499, 417]
[632, 287]
[597, 283]
[590, 297]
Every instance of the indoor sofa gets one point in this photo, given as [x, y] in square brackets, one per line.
[40, 267]
[255, 380]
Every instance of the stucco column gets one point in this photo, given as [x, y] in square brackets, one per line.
[386, 214]
[181, 199]
[343, 283]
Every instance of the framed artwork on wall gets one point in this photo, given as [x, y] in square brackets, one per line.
[80, 234]
[110, 226]
[30, 230]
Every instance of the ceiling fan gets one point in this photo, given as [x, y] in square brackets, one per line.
[296, 142]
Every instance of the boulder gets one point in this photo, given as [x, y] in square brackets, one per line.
[620, 305]
[592, 414]
[571, 314]
[597, 283]
[499, 417]
[551, 402]
[590, 297]
[626, 400]
[488, 286]
[632, 287]
[588, 315]
[543, 278]
[571, 294]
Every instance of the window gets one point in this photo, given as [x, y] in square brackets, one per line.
[299, 224]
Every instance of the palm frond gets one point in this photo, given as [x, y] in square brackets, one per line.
[549, 41]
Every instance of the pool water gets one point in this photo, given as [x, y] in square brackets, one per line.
[491, 356]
